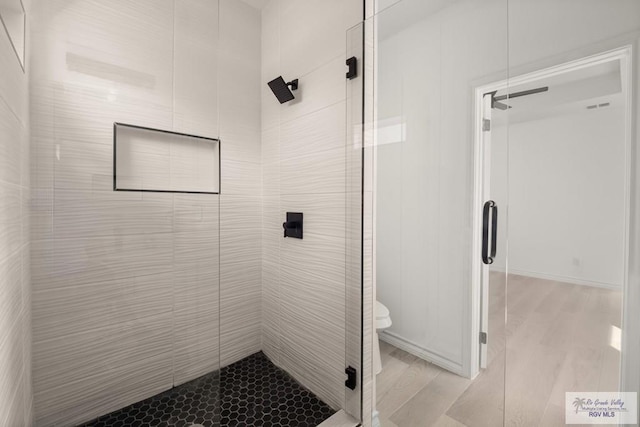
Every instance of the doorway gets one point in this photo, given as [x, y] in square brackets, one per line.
[551, 227]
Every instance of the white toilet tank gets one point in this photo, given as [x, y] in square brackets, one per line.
[383, 319]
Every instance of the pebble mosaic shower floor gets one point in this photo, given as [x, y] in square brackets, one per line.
[251, 392]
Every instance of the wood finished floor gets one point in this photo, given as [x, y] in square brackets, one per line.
[557, 338]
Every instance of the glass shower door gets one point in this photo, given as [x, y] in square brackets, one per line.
[429, 60]
[504, 209]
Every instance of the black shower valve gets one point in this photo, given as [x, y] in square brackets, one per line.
[293, 225]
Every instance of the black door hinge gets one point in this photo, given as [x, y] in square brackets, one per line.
[350, 383]
[352, 63]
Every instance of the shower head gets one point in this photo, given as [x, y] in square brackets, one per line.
[281, 89]
[495, 100]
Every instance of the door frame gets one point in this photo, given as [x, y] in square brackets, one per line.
[624, 54]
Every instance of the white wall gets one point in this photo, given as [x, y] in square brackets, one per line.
[16, 399]
[136, 292]
[426, 77]
[304, 156]
[239, 100]
[566, 196]
[424, 171]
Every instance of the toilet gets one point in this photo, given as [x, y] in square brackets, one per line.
[383, 321]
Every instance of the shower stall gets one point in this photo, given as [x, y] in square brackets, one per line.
[204, 200]
[162, 169]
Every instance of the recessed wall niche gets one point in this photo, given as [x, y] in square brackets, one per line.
[156, 160]
[13, 19]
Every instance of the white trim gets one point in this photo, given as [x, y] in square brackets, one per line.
[563, 279]
[627, 74]
[623, 54]
[421, 352]
[475, 301]
[579, 64]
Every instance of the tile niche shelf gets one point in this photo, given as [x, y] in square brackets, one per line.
[146, 159]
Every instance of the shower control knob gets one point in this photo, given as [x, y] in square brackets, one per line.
[293, 225]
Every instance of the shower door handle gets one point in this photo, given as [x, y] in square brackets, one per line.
[490, 208]
[494, 229]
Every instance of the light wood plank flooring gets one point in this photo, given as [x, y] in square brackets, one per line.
[557, 338]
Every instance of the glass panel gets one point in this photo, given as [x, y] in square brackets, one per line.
[551, 145]
[125, 284]
[431, 61]
[354, 192]
[571, 299]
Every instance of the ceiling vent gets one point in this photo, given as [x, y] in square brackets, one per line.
[595, 106]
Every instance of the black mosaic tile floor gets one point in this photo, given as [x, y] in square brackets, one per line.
[251, 392]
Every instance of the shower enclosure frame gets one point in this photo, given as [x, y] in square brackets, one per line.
[479, 293]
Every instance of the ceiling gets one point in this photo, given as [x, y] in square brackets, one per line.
[569, 93]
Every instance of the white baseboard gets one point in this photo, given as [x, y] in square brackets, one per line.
[564, 279]
[420, 352]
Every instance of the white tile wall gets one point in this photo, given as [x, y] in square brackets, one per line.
[196, 67]
[129, 288]
[304, 169]
[240, 202]
[16, 397]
